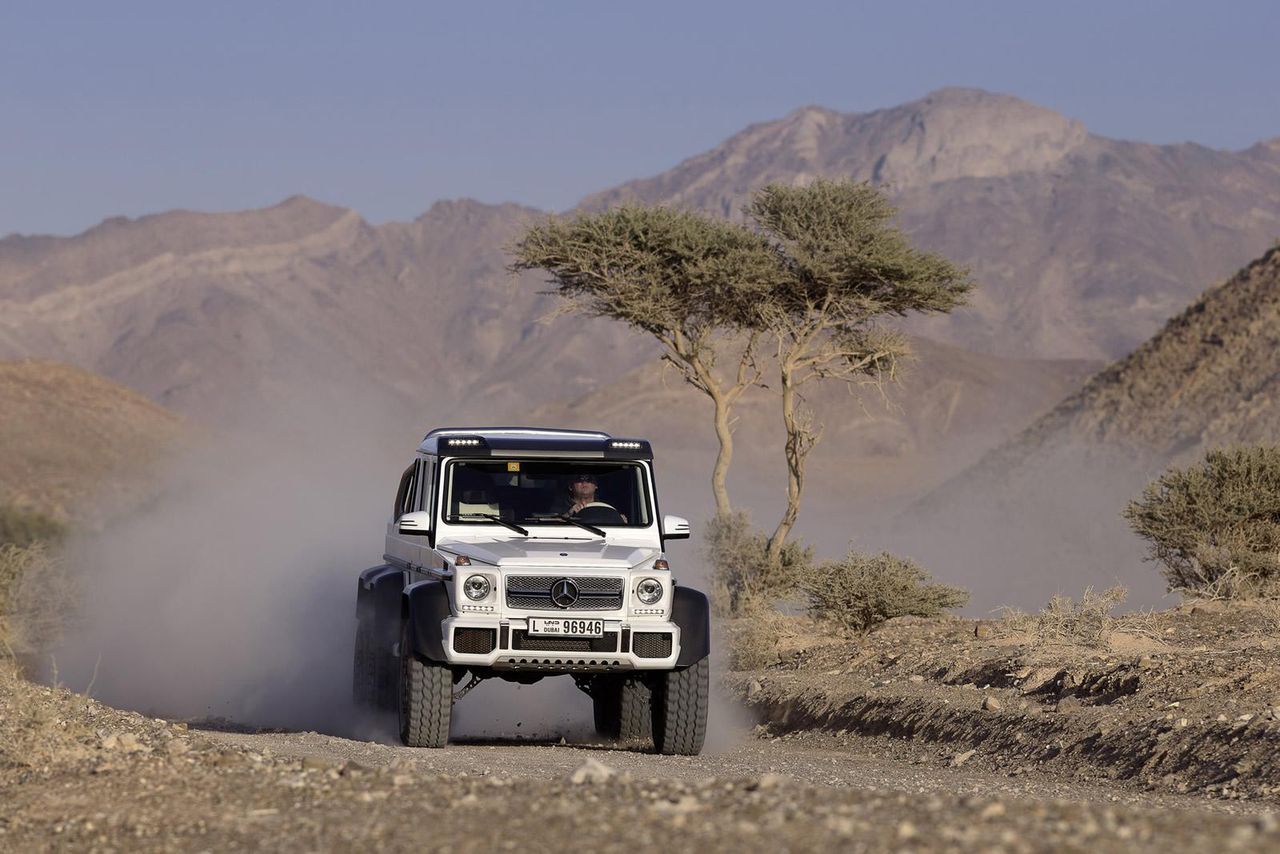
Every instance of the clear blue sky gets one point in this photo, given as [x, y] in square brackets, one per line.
[131, 107]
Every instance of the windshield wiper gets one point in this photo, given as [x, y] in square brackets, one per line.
[572, 521]
[490, 516]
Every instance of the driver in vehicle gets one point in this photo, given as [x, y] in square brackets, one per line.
[582, 496]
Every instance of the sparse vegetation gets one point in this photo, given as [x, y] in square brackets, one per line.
[22, 528]
[689, 281]
[808, 286]
[861, 591]
[1065, 622]
[743, 578]
[1215, 525]
[846, 268]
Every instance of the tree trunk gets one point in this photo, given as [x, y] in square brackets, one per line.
[720, 473]
[796, 449]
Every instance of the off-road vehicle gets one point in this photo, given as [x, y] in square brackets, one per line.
[520, 554]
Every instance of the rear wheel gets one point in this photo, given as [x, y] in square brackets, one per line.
[680, 710]
[363, 676]
[635, 711]
[426, 698]
[605, 695]
[622, 708]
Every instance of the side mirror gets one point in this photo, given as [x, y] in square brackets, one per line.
[675, 528]
[417, 523]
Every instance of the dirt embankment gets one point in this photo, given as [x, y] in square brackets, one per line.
[78, 775]
[1185, 700]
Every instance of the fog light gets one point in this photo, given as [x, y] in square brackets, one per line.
[476, 588]
[649, 590]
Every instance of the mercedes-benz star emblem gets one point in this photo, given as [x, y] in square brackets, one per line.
[564, 593]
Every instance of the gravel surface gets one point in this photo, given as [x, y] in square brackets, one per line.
[851, 762]
[78, 775]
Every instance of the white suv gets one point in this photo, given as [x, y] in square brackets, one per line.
[523, 553]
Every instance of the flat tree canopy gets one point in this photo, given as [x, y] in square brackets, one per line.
[847, 267]
[692, 282]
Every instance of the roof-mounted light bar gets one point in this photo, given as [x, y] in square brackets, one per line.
[625, 445]
[464, 443]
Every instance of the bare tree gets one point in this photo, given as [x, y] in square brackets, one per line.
[691, 282]
[847, 267]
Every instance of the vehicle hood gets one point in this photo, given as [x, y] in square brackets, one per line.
[559, 553]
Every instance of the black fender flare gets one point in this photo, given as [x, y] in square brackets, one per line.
[425, 607]
[691, 611]
[378, 600]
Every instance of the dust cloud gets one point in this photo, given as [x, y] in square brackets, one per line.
[230, 595]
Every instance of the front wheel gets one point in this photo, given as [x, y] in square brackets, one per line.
[680, 702]
[426, 697]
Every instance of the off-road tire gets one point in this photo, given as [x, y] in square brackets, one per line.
[363, 685]
[635, 711]
[606, 693]
[623, 708]
[426, 698]
[680, 701]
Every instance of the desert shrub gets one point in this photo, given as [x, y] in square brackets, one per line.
[742, 574]
[37, 597]
[23, 527]
[754, 642]
[861, 591]
[1063, 621]
[1215, 525]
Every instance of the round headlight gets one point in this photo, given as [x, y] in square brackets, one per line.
[476, 587]
[649, 590]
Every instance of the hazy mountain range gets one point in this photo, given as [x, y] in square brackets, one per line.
[1083, 246]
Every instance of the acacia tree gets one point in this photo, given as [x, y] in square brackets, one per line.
[846, 268]
[691, 282]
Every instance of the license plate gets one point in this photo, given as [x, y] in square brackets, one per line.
[563, 627]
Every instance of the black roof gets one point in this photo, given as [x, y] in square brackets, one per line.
[532, 441]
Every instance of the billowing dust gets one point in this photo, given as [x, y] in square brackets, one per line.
[230, 597]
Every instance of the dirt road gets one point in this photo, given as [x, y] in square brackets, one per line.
[78, 775]
[877, 765]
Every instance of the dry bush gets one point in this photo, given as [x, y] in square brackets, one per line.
[754, 640]
[1065, 622]
[743, 578]
[37, 596]
[862, 591]
[26, 527]
[1216, 525]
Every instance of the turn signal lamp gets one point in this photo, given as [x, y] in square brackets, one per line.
[661, 564]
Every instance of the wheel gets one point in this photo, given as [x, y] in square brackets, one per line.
[363, 678]
[606, 694]
[635, 711]
[426, 698]
[622, 708]
[680, 710]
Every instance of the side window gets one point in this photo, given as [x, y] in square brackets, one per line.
[406, 493]
[426, 484]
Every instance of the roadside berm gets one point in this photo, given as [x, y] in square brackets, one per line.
[1184, 700]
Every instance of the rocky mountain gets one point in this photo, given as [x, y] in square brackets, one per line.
[207, 313]
[1210, 377]
[1083, 245]
[76, 446]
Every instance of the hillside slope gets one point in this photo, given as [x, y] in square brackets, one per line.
[76, 446]
[1083, 245]
[1055, 491]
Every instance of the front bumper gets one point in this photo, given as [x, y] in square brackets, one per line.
[504, 644]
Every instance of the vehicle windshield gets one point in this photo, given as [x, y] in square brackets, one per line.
[536, 492]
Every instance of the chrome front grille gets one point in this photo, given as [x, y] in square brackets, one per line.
[533, 592]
